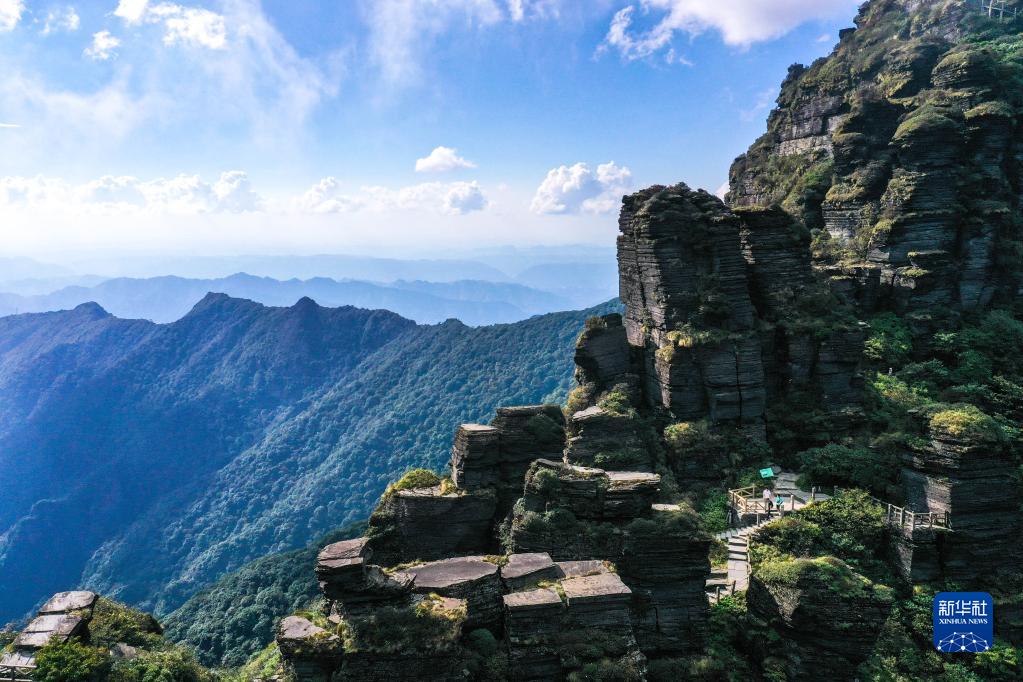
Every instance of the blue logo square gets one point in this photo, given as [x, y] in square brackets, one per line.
[964, 622]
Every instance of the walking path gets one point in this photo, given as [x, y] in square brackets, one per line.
[745, 502]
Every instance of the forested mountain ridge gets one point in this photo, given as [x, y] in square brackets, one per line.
[152, 458]
[166, 299]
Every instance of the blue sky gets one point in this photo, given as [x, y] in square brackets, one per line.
[397, 126]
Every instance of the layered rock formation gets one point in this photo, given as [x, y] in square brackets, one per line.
[63, 616]
[826, 615]
[899, 150]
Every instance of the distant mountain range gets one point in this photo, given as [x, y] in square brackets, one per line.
[145, 460]
[426, 291]
[165, 299]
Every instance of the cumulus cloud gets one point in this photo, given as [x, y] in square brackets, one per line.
[578, 189]
[10, 14]
[103, 47]
[184, 194]
[740, 22]
[192, 26]
[64, 19]
[441, 160]
[326, 197]
[449, 198]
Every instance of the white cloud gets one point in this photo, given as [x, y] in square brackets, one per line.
[450, 198]
[131, 11]
[256, 86]
[519, 10]
[401, 31]
[326, 197]
[10, 14]
[184, 194]
[192, 26]
[577, 189]
[10, 125]
[464, 197]
[61, 19]
[103, 46]
[441, 160]
[740, 22]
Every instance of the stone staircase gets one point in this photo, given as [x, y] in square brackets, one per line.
[735, 578]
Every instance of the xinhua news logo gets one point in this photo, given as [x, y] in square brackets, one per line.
[964, 622]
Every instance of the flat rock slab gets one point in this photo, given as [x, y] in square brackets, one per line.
[605, 586]
[341, 555]
[575, 569]
[523, 569]
[346, 549]
[65, 602]
[533, 599]
[624, 479]
[480, 428]
[297, 629]
[438, 575]
[43, 629]
[666, 507]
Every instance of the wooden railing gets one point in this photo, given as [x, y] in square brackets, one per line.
[749, 500]
[906, 518]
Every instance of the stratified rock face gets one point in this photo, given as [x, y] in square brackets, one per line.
[684, 284]
[428, 523]
[666, 572]
[827, 615]
[680, 263]
[602, 354]
[527, 433]
[971, 479]
[475, 456]
[606, 440]
[900, 148]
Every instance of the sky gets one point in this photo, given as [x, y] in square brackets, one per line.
[380, 127]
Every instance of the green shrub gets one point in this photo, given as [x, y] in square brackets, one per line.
[417, 478]
[171, 665]
[616, 402]
[966, 422]
[113, 623]
[850, 527]
[714, 512]
[874, 469]
[71, 661]
[890, 341]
